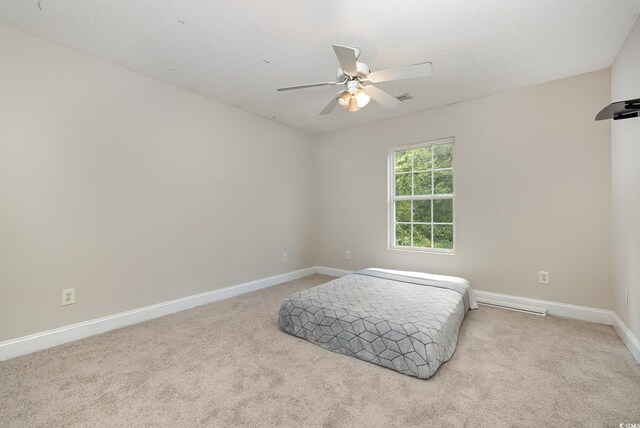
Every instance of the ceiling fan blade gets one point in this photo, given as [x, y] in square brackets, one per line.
[332, 104]
[309, 85]
[382, 97]
[424, 69]
[347, 59]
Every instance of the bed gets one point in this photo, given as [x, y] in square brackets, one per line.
[405, 321]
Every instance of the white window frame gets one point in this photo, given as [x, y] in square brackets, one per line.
[392, 198]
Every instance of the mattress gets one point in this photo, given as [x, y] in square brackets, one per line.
[405, 321]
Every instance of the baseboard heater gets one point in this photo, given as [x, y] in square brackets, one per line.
[535, 310]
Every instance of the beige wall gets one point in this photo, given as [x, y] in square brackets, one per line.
[133, 191]
[625, 152]
[136, 192]
[532, 191]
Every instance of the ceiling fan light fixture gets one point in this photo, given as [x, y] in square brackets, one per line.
[362, 99]
[353, 104]
[344, 99]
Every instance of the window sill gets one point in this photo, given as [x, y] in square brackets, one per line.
[423, 250]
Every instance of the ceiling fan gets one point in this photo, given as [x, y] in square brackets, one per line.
[354, 75]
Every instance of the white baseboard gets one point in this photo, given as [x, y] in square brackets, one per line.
[332, 271]
[627, 337]
[601, 316]
[47, 339]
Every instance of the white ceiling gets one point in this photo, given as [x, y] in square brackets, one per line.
[239, 51]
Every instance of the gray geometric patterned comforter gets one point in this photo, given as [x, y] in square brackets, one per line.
[406, 323]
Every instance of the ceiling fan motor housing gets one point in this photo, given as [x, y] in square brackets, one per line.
[353, 86]
[363, 72]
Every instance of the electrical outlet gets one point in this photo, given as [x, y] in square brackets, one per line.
[348, 255]
[68, 296]
[543, 277]
[626, 297]
[285, 258]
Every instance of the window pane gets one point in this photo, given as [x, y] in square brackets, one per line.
[403, 161]
[422, 158]
[422, 235]
[422, 212]
[443, 236]
[403, 184]
[443, 211]
[403, 235]
[403, 211]
[422, 183]
[443, 156]
[443, 182]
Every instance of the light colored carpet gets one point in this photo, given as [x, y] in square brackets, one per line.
[227, 364]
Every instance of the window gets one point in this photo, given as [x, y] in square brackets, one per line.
[421, 197]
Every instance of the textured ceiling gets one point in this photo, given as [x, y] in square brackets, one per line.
[239, 51]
